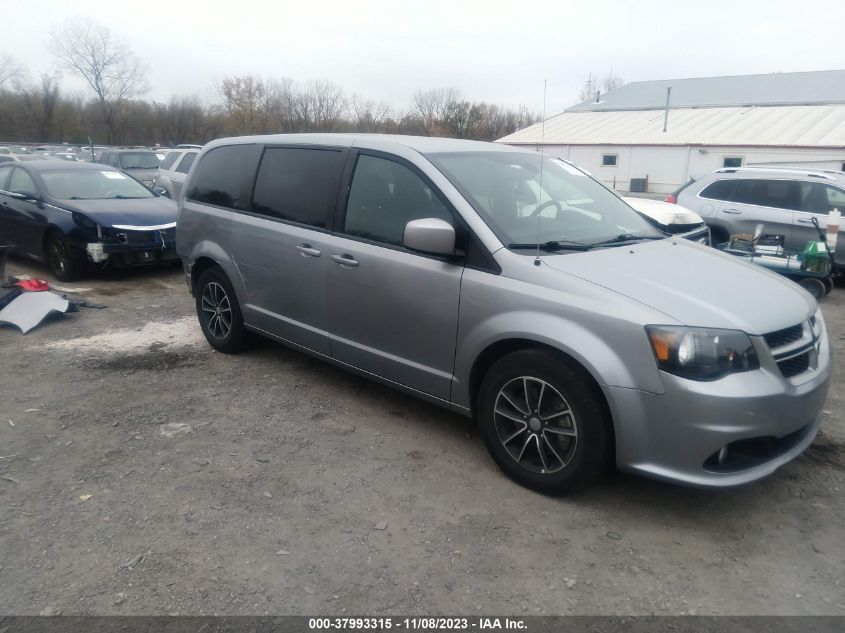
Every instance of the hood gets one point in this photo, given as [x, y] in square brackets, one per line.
[664, 212]
[142, 174]
[694, 284]
[134, 212]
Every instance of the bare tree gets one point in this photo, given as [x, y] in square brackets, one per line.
[324, 104]
[435, 107]
[41, 104]
[243, 101]
[593, 87]
[106, 63]
[370, 116]
[11, 70]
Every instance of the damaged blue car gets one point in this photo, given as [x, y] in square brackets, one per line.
[74, 216]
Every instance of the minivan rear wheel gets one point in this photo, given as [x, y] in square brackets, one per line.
[543, 422]
[219, 313]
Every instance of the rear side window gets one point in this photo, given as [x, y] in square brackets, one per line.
[223, 177]
[819, 198]
[719, 190]
[4, 175]
[298, 185]
[170, 159]
[185, 165]
[22, 182]
[765, 193]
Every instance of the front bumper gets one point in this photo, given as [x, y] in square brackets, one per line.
[133, 254]
[762, 418]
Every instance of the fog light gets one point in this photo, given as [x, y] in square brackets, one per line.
[96, 253]
[723, 455]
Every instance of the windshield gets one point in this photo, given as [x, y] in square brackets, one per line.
[138, 160]
[569, 206]
[92, 185]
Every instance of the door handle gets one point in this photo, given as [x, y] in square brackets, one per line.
[732, 211]
[805, 220]
[346, 261]
[307, 250]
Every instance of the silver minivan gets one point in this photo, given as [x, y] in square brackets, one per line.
[509, 287]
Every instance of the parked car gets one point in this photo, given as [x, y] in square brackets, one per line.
[672, 219]
[532, 299]
[735, 200]
[139, 163]
[173, 171]
[73, 214]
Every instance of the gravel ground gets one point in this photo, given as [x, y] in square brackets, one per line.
[143, 473]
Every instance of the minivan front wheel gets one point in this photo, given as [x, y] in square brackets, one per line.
[219, 313]
[543, 422]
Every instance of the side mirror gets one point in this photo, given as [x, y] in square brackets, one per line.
[160, 191]
[430, 235]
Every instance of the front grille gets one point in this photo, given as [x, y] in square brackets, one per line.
[795, 365]
[146, 238]
[785, 336]
[793, 348]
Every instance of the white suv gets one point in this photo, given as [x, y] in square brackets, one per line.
[784, 200]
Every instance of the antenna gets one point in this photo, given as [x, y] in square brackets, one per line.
[542, 148]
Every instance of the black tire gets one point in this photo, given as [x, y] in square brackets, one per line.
[573, 462]
[219, 313]
[814, 286]
[828, 285]
[66, 262]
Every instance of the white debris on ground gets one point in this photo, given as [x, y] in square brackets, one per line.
[178, 333]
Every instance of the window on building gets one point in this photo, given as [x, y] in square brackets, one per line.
[609, 160]
[732, 161]
[298, 185]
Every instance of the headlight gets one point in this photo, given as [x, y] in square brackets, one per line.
[84, 222]
[701, 353]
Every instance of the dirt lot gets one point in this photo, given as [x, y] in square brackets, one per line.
[253, 484]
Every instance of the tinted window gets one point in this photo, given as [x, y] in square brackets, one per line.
[223, 177]
[719, 190]
[299, 185]
[384, 197]
[170, 159]
[185, 166]
[138, 160]
[819, 198]
[765, 193]
[22, 182]
[4, 174]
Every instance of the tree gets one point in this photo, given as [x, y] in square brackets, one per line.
[592, 87]
[41, 105]
[107, 64]
[370, 116]
[243, 101]
[11, 71]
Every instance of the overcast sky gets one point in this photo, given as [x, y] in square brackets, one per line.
[499, 51]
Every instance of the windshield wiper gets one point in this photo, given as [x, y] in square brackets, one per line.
[555, 245]
[624, 238]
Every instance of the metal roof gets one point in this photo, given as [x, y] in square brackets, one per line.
[775, 126]
[818, 87]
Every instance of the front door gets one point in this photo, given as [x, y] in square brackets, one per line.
[757, 201]
[392, 312]
[281, 247]
[26, 221]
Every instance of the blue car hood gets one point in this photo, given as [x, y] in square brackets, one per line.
[130, 212]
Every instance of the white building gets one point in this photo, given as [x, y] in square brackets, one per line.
[781, 119]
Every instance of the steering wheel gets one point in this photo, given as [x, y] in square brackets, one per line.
[547, 203]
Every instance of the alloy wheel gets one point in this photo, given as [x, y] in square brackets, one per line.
[535, 425]
[217, 310]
